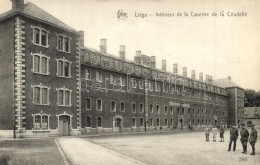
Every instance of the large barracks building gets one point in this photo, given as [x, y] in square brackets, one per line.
[51, 84]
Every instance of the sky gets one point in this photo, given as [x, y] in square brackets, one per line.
[220, 46]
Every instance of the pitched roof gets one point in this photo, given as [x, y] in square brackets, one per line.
[33, 11]
[225, 83]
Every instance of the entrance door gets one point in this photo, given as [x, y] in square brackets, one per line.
[181, 123]
[64, 125]
[118, 125]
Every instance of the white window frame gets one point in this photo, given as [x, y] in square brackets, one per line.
[134, 124]
[158, 112]
[121, 106]
[141, 108]
[63, 60]
[40, 70]
[64, 89]
[89, 103]
[112, 110]
[101, 122]
[159, 122]
[41, 115]
[97, 78]
[132, 107]
[167, 122]
[63, 43]
[100, 105]
[165, 109]
[41, 87]
[40, 35]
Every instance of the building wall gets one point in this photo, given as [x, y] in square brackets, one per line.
[52, 80]
[7, 75]
[217, 110]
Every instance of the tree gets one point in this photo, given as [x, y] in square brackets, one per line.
[252, 98]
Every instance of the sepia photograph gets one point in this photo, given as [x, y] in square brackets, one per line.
[129, 82]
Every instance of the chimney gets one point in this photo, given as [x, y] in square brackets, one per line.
[153, 62]
[229, 78]
[207, 78]
[201, 76]
[164, 65]
[210, 79]
[193, 74]
[175, 68]
[16, 4]
[138, 53]
[185, 73]
[81, 38]
[122, 52]
[103, 46]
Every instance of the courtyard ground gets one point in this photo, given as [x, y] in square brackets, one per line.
[42, 151]
[182, 148]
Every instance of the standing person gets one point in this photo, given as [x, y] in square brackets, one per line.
[207, 132]
[244, 138]
[233, 137]
[214, 131]
[221, 133]
[253, 139]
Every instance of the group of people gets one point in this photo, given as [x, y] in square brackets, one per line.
[245, 137]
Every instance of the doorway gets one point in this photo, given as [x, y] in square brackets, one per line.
[117, 123]
[64, 124]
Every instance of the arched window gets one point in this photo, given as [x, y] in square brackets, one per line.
[165, 109]
[122, 106]
[141, 122]
[99, 105]
[88, 104]
[157, 108]
[113, 106]
[171, 122]
[88, 121]
[166, 122]
[171, 110]
[133, 122]
[99, 121]
[133, 107]
[158, 122]
[151, 108]
[151, 121]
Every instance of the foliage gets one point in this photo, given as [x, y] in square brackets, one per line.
[252, 98]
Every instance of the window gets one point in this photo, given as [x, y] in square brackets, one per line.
[182, 110]
[133, 107]
[63, 43]
[40, 36]
[165, 109]
[141, 108]
[157, 109]
[151, 108]
[88, 104]
[113, 106]
[165, 122]
[132, 83]
[157, 87]
[41, 64]
[41, 94]
[189, 111]
[202, 111]
[41, 121]
[171, 122]
[122, 81]
[88, 121]
[171, 110]
[122, 106]
[99, 105]
[99, 121]
[165, 88]
[63, 68]
[111, 79]
[151, 121]
[98, 76]
[193, 111]
[133, 122]
[141, 122]
[150, 85]
[198, 111]
[64, 97]
[87, 74]
[158, 122]
[178, 109]
[141, 84]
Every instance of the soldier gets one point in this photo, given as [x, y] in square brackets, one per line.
[214, 131]
[253, 139]
[221, 133]
[207, 131]
[233, 137]
[244, 138]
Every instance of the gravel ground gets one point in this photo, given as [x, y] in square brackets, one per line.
[183, 148]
